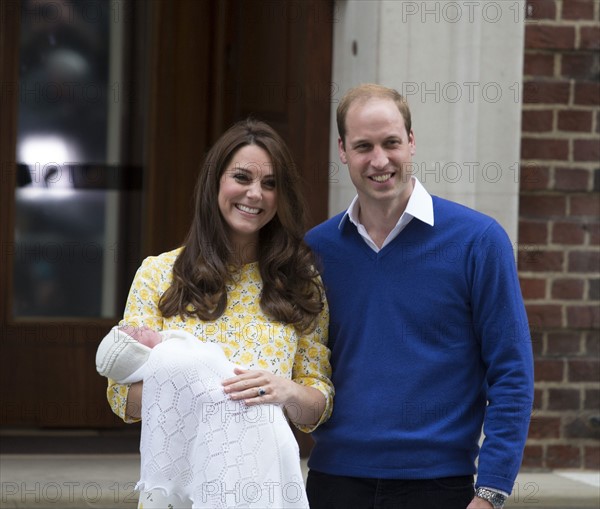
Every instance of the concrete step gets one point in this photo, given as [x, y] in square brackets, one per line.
[103, 481]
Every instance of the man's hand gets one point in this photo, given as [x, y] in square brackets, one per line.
[479, 503]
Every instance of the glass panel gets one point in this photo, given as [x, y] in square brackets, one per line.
[68, 145]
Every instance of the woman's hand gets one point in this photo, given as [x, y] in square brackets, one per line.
[256, 387]
[303, 405]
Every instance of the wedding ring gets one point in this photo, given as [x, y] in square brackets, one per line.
[261, 392]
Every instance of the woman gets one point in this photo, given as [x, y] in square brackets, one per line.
[243, 279]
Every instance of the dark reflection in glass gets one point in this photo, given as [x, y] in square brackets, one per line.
[59, 252]
[63, 73]
[66, 227]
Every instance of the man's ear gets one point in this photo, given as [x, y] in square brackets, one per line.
[412, 143]
[342, 151]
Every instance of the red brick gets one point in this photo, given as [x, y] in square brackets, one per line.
[538, 36]
[584, 261]
[534, 177]
[567, 289]
[563, 343]
[563, 456]
[591, 457]
[594, 289]
[533, 288]
[593, 336]
[549, 370]
[594, 232]
[572, 179]
[544, 427]
[538, 64]
[592, 399]
[587, 94]
[544, 149]
[592, 343]
[583, 317]
[584, 370]
[538, 399]
[536, 121]
[535, 260]
[533, 232]
[586, 150]
[544, 315]
[532, 456]
[584, 205]
[568, 233]
[544, 206]
[541, 9]
[537, 341]
[589, 38]
[563, 399]
[577, 426]
[575, 121]
[546, 92]
[582, 66]
[578, 10]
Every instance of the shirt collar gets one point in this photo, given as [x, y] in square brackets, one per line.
[419, 206]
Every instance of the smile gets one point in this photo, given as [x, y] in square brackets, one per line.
[248, 210]
[382, 178]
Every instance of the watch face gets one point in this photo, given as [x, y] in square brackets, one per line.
[497, 500]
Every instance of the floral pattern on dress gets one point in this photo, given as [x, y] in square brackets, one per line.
[248, 337]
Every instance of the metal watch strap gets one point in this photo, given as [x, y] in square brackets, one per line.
[493, 497]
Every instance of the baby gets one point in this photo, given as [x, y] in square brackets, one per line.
[196, 443]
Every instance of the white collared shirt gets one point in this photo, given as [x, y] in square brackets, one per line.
[419, 206]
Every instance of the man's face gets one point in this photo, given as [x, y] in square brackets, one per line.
[378, 152]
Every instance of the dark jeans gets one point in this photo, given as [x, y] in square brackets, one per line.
[336, 492]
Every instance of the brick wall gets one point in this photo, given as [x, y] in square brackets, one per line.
[559, 234]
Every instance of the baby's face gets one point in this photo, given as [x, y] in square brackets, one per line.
[145, 335]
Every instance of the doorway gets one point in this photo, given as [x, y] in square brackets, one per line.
[175, 75]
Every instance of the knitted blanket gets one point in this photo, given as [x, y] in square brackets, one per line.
[200, 445]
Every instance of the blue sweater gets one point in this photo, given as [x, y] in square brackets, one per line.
[423, 334]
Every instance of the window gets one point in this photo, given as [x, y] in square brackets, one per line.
[74, 188]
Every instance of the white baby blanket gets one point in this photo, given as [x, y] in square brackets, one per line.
[199, 444]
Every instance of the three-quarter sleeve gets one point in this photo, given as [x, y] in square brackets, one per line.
[312, 367]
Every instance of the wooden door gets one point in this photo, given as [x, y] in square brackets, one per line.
[197, 66]
[278, 58]
[48, 341]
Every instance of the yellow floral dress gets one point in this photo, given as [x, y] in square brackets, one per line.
[248, 337]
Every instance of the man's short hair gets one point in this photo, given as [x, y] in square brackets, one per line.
[363, 93]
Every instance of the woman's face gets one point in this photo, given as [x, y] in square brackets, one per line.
[247, 195]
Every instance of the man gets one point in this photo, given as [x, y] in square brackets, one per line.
[428, 334]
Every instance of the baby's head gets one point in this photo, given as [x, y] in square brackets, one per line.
[144, 335]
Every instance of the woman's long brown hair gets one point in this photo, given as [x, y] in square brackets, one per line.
[291, 290]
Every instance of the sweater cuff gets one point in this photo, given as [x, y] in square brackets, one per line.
[495, 483]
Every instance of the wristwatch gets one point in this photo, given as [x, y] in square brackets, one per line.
[493, 497]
